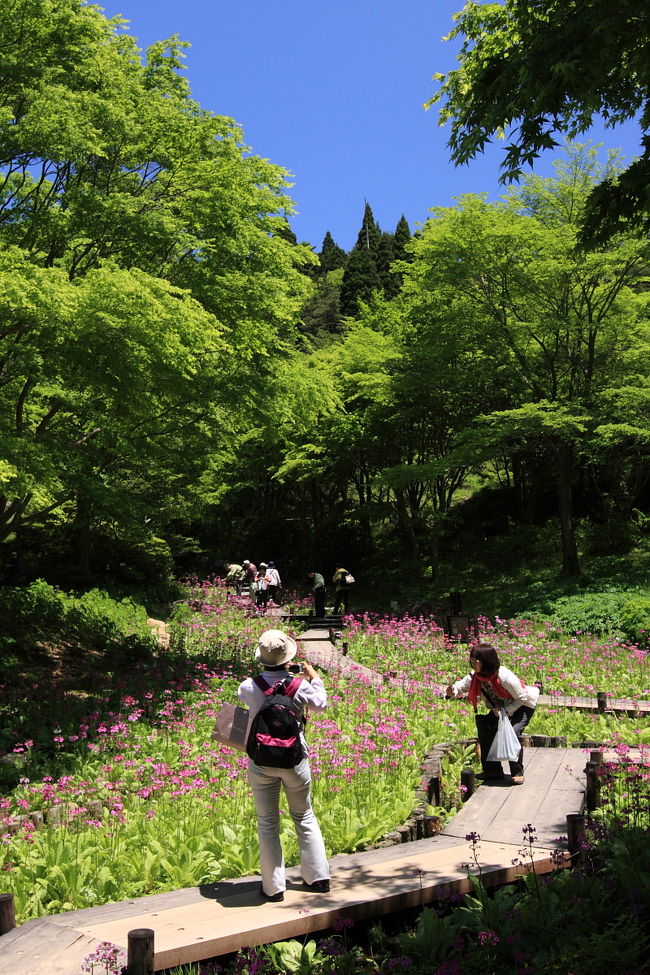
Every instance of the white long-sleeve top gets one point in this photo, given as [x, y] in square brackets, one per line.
[520, 695]
[309, 695]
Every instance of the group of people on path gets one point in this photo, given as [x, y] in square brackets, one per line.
[263, 583]
[489, 681]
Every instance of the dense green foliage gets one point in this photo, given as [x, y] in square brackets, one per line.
[181, 383]
[144, 266]
[536, 68]
[509, 358]
[38, 615]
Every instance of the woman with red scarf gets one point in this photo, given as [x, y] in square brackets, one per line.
[499, 688]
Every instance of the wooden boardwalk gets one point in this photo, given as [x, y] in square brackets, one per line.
[199, 923]
[618, 705]
[203, 922]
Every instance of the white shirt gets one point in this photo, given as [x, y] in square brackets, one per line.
[309, 695]
[519, 695]
[273, 577]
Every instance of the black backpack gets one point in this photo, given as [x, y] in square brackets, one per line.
[274, 738]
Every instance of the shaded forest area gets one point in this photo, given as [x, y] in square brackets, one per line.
[182, 382]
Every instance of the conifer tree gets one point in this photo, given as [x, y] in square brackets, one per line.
[360, 279]
[401, 239]
[331, 255]
[390, 281]
[369, 234]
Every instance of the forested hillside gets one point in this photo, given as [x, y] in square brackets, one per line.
[182, 382]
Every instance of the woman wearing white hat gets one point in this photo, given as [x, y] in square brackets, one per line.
[274, 651]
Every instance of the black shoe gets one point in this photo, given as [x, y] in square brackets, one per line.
[489, 776]
[318, 886]
[274, 898]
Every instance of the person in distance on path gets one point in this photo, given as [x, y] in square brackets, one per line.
[319, 591]
[499, 688]
[342, 599]
[250, 572]
[274, 651]
[274, 582]
[234, 578]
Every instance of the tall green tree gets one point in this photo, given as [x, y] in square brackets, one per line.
[361, 279]
[321, 315]
[384, 259]
[331, 256]
[148, 275]
[539, 68]
[562, 332]
[369, 232]
[402, 239]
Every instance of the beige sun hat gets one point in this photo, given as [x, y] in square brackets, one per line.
[275, 648]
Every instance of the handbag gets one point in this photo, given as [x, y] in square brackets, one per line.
[506, 746]
[231, 726]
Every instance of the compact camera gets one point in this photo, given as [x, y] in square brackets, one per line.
[294, 669]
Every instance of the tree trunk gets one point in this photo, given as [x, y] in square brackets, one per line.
[81, 530]
[434, 551]
[570, 563]
[11, 514]
[406, 523]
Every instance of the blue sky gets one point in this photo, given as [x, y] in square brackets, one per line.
[333, 92]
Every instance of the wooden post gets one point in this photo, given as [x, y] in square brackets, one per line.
[433, 790]
[344, 648]
[432, 825]
[602, 701]
[7, 913]
[140, 952]
[592, 797]
[596, 757]
[468, 781]
[575, 829]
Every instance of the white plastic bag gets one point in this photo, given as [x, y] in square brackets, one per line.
[505, 746]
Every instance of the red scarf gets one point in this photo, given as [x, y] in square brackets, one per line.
[495, 684]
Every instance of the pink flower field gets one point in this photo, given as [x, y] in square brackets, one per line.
[137, 798]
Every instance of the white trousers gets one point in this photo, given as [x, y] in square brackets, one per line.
[265, 783]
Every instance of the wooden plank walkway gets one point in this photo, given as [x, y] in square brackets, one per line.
[200, 923]
[553, 788]
[619, 705]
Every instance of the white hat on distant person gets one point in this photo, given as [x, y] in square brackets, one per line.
[275, 648]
